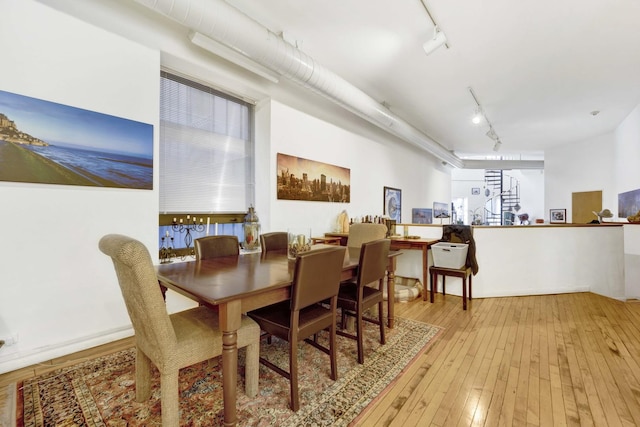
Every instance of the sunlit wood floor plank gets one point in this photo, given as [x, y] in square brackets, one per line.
[462, 391]
[495, 355]
[602, 392]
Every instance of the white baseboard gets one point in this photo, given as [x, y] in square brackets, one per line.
[21, 359]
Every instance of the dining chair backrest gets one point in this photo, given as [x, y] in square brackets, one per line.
[141, 293]
[274, 241]
[360, 233]
[373, 261]
[216, 246]
[316, 276]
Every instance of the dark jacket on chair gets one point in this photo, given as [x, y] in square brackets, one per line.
[455, 233]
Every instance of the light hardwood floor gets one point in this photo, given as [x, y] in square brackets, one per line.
[553, 360]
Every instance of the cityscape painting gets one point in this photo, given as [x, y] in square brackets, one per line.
[304, 179]
[49, 143]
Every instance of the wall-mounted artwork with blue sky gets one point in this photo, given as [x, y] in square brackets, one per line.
[49, 143]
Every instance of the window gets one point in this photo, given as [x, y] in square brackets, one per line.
[206, 159]
[206, 149]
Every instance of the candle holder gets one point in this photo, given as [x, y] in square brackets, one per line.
[166, 251]
[187, 227]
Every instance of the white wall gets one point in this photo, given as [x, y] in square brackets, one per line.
[373, 164]
[608, 163]
[578, 167]
[57, 288]
[627, 175]
[627, 149]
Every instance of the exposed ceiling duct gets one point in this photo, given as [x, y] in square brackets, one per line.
[227, 25]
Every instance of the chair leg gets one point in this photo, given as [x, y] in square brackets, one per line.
[143, 376]
[432, 286]
[359, 333]
[293, 374]
[381, 320]
[332, 352]
[470, 284]
[169, 404]
[251, 369]
[464, 292]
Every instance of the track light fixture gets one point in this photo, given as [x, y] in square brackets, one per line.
[438, 38]
[479, 116]
[492, 134]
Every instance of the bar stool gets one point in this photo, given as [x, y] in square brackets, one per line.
[462, 273]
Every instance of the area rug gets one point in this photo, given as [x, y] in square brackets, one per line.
[101, 392]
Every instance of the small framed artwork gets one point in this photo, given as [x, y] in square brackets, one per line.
[557, 216]
[475, 191]
[393, 203]
[421, 216]
[440, 210]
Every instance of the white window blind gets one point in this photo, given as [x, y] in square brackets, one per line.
[206, 149]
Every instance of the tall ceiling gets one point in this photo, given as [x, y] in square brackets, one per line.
[538, 68]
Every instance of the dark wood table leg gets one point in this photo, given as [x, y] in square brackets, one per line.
[230, 320]
[391, 291]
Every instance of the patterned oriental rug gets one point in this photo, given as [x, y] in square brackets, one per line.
[101, 392]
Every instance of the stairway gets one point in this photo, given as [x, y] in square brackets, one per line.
[503, 198]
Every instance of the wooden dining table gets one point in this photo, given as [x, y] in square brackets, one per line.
[237, 284]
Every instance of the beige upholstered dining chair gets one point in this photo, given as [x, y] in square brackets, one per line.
[170, 341]
[316, 278]
[355, 298]
[215, 246]
[360, 233]
[275, 241]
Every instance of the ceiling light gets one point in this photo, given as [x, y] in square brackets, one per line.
[438, 40]
[477, 117]
[232, 56]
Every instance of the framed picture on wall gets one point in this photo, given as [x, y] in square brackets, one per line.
[309, 180]
[557, 216]
[393, 203]
[440, 210]
[475, 191]
[421, 216]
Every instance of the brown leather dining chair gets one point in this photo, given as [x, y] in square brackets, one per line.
[355, 298]
[274, 241]
[216, 246]
[316, 278]
[170, 341]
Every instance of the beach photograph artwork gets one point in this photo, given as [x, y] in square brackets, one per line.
[48, 143]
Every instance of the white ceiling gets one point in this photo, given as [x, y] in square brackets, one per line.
[538, 67]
